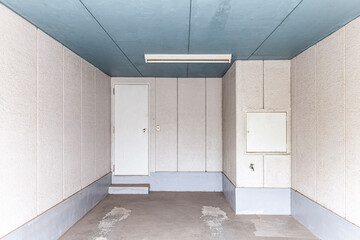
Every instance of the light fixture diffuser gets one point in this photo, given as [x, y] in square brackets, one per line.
[187, 58]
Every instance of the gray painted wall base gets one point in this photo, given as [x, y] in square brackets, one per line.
[128, 190]
[229, 192]
[57, 220]
[320, 221]
[263, 201]
[177, 181]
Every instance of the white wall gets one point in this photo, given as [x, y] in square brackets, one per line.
[166, 117]
[213, 109]
[326, 107]
[188, 111]
[191, 124]
[261, 86]
[72, 122]
[54, 122]
[18, 117]
[50, 121]
[229, 124]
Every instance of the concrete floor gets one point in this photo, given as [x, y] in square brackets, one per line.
[170, 215]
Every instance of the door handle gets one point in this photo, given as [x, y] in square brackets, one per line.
[144, 129]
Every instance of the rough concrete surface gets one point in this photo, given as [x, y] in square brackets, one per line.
[179, 215]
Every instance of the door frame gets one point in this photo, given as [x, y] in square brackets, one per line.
[113, 126]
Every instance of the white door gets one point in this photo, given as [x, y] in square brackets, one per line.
[131, 130]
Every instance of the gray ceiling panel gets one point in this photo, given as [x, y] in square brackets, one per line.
[310, 22]
[146, 26]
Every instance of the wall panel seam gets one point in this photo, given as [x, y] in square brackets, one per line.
[37, 123]
[235, 72]
[344, 81]
[155, 132]
[205, 128]
[63, 120]
[316, 125]
[263, 84]
[81, 121]
[95, 130]
[294, 124]
[177, 125]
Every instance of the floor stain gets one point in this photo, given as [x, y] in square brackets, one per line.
[278, 228]
[107, 223]
[101, 238]
[214, 217]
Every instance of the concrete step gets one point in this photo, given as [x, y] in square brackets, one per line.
[129, 189]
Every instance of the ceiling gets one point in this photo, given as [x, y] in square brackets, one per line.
[114, 35]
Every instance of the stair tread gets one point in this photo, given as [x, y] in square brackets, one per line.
[130, 185]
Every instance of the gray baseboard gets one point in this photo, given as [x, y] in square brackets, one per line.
[56, 221]
[229, 192]
[262, 201]
[320, 221]
[177, 181]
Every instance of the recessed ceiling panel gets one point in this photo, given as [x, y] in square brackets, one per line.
[237, 27]
[310, 22]
[68, 22]
[146, 26]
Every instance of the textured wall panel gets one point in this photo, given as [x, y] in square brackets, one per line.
[88, 124]
[191, 124]
[103, 109]
[353, 121]
[277, 84]
[17, 121]
[213, 125]
[50, 112]
[249, 97]
[305, 105]
[250, 83]
[31, 183]
[330, 122]
[336, 152]
[152, 123]
[277, 171]
[293, 122]
[166, 118]
[246, 177]
[229, 124]
[72, 123]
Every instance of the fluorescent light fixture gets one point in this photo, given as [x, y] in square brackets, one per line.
[187, 58]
